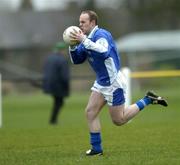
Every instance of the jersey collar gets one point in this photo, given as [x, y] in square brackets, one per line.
[93, 31]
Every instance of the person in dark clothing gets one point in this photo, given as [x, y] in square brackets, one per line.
[56, 78]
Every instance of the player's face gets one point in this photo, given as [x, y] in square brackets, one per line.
[85, 24]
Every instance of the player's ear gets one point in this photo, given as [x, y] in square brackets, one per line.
[93, 22]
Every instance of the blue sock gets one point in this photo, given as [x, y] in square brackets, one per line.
[143, 102]
[95, 139]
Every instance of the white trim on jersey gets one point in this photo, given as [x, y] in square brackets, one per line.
[101, 45]
[72, 48]
[111, 68]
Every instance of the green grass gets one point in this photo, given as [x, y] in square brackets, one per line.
[26, 138]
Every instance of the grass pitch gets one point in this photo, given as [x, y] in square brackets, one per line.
[26, 138]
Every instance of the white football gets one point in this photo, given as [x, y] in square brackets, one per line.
[66, 35]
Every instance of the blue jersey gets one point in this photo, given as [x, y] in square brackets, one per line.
[100, 50]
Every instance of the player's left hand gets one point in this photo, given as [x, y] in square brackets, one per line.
[78, 35]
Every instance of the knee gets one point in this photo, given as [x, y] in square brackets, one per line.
[118, 122]
[89, 113]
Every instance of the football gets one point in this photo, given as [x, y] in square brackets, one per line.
[66, 35]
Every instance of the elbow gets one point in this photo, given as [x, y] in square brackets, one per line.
[76, 62]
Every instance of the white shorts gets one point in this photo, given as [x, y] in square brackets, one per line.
[115, 93]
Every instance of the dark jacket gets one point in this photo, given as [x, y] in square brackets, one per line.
[56, 75]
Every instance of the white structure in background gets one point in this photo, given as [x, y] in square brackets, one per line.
[41, 5]
[149, 41]
[161, 43]
[54, 4]
[62, 4]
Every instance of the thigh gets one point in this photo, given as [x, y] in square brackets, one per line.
[116, 112]
[96, 102]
